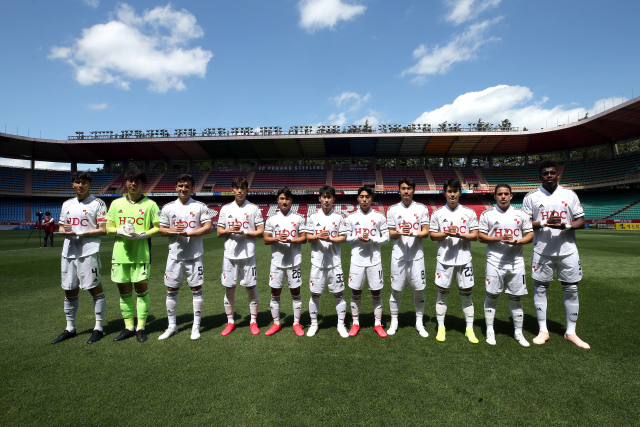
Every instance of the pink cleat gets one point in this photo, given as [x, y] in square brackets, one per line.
[541, 338]
[272, 330]
[230, 327]
[577, 341]
[254, 328]
[297, 328]
[354, 330]
[380, 330]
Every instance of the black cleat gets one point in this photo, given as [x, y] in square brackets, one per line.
[95, 336]
[141, 335]
[124, 335]
[64, 336]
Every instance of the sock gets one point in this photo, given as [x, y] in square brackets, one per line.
[229, 303]
[253, 303]
[356, 302]
[515, 305]
[198, 305]
[275, 309]
[394, 304]
[467, 308]
[142, 308]
[172, 307]
[99, 307]
[571, 306]
[341, 307]
[314, 307]
[126, 307]
[70, 310]
[540, 303]
[297, 308]
[490, 305]
[376, 302]
[441, 306]
[418, 304]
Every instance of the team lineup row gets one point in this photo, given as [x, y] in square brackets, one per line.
[548, 218]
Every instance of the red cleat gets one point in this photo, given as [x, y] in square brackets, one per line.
[354, 330]
[272, 330]
[297, 328]
[230, 327]
[380, 330]
[254, 328]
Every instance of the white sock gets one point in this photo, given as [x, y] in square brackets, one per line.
[394, 304]
[418, 304]
[441, 306]
[314, 307]
[467, 308]
[517, 312]
[172, 307]
[356, 302]
[297, 308]
[571, 306]
[99, 307]
[275, 309]
[490, 305]
[376, 302]
[71, 305]
[253, 303]
[229, 303]
[341, 307]
[198, 305]
[540, 303]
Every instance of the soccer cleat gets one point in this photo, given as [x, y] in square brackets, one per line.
[577, 341]
[64, 336]
[96, 336]
[312, 330]
[127, 333]
[541, 338]
[342, 330]
[380, 331]
[297, 328]
[168, 333]
[230, 327]
[141, 335]
[254, 328]
[442, 334]
[520, 338]
[195, 332]
[272, 330]
[472, 337]
[394, 327]
[421, 330]
[491, 337]
[354, 330]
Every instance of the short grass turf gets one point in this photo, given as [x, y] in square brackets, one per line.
[325, 380]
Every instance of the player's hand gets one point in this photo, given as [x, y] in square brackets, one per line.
[406, 229]
[121, 232]
[452, 231]
[180, 226]
[284, 237]
[365, 236]
[237, 228]
[507, 238]
[129, 228]
[138, 236]
[324, 235]
[178, 233]
[554, 221]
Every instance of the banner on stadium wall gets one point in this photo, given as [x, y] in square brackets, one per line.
[628, 226]
[212, 193]
[5, 227]
[365, 167]
[235, 168]
[612, 221]
[284, 168]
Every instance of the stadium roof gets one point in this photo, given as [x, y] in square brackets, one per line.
[618, 123]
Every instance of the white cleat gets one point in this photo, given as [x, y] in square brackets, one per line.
[421, 330]
[393, 328]
[491, 337]
[312, 330]
[342, 330]
[195, 332]
[521, 340]
[168, 333]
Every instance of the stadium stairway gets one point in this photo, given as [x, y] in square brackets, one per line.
[379, 181]
[481, 180]
[250, 177]
[201, 181]
[461, 178]
[621, 211]
[432, 182]
[107, 188]
[330, 177]
[154, 183]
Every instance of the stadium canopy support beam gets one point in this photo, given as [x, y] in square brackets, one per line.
[612, 150]
[74, 167]
[567, 156]
[32, 164]
[490, 161]
[108, 167]
[526, 160]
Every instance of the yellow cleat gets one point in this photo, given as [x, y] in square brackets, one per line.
[472, 337]
[441, 334]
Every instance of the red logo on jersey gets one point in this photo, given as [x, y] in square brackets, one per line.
[565, 204]
[246, 215]
[311, 281]
[438, 274]
[464, 221]
[373, 222]
[535, 268]
[84, 211]
[488, 282]
[141, 211]
[350, 279]
[517, 220]
[334, 224]
[393, 279]
[192, 214]
[271, 277]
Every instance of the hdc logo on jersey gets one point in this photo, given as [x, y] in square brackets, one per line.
[499, 232]
[547, 214]
[77, 221]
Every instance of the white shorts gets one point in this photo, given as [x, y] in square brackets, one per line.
[278, 274]
[373, 275]
[408, 271]
[319, 277]
[85, 272]
[567, 268]
[512, 281]
[177, 270]
[242, 270]
[463, 273]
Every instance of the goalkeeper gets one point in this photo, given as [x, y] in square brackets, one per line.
[134, 219]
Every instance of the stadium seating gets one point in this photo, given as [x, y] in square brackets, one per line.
[295, 180]
[442, 175]
[520, 178]
[597, 171]
[632, 213]
[469, 175]
[46, 206]
[168, 182]
[220, 181]
[477, 205]
[11, 210]
[12, 179]
[45, 181]
[352, 180]
[390, 178]
[603, 205]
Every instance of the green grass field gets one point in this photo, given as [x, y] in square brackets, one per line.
[288, 380]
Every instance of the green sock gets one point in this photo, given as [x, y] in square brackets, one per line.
[143, 309]
[126, 306]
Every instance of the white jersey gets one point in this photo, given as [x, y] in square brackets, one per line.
[192, 214]
[539, 205]
[240, 246]
[326, 254]
[496, 223]
[366, 254]
[285, 255]
[454, 250]
[83, 216]
[408, 248]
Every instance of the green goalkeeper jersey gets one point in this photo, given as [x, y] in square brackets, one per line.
[145, 215]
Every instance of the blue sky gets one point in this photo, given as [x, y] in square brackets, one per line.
[83, 65]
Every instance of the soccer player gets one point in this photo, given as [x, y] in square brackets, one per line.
[367, 230]
[184, 221]
[240, 222]
[556, 212]
[505, 229]
[454, 227]
[133, 218]
[49, 225]
[285, 233]
[326, 232]
[408, 223]
[82, 223]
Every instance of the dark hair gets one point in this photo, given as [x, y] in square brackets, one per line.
[81, 176]
[453, 183]
[495, 190]
[409, 181]
[287, 193]
[47, 213]
[133, 174]
[240, 182]
[327, 189]
[185, 177]
[368, 189]
[547, 163]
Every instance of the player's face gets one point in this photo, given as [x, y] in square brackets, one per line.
[284, 203]
[453, 196]
[364, 200]
[326, 201]
[184, 190]
[503, 196]
[549, 177]
[82, 188]
[240, 194]
[134, 188]
[406, 193]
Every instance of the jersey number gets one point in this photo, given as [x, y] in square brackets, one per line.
[295, 274]
[468, 272]
[253, 271]
[95, 272]
[340, 278]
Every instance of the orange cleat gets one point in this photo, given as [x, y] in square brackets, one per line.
[297, 328]
[272, 330]
[354, 330]
[254, 328]
[380, 330]
[577, 341]
[230, 327]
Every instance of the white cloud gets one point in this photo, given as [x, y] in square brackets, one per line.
[465, 10]
[462, 47]
[150, 46]
[339, 119]
[373, 117]
[351, 100]
[15, 163]
[318, 14]
[98, 106]
[91, 3]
